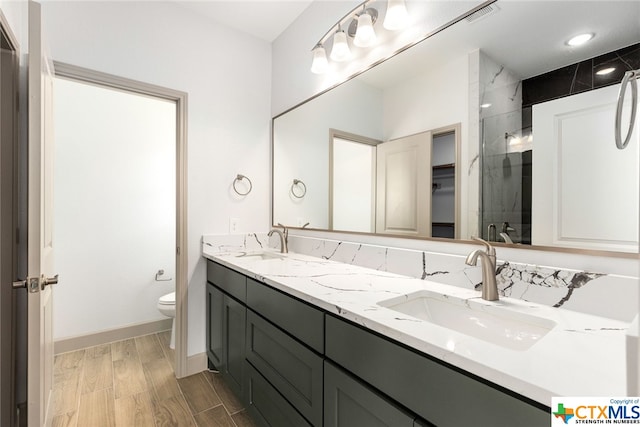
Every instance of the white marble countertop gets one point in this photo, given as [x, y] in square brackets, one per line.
[582, 355]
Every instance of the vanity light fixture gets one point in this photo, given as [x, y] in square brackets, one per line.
[580, 39]
[487, 105]
[365, 36]
[360, 22]
[320, 64]
[605, 71]
[340, 50]
[397, 16]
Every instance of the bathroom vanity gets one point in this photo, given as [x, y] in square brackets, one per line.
[308, 341]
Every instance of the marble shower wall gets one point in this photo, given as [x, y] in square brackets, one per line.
[502, 168]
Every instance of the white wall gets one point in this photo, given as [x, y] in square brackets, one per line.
[114, 207]
[227, 75]
[355, 108]
[432, 100]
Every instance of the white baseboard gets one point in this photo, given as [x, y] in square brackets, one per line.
[196, 363]
[110, 335]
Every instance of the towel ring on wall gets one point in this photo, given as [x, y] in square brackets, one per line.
[238, 179]
[629, 77]
[298, 184]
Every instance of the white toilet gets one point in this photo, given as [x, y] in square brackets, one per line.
[167, 306]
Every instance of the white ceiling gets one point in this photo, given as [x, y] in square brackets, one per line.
[527, 37]
[265, 19]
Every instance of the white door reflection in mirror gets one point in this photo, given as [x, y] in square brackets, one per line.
[573, 138]
[404, 186]
[352, 194]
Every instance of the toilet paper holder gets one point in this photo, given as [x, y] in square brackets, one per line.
[159, 275]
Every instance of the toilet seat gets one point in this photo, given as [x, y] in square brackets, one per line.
[167, 306]
[168, 299]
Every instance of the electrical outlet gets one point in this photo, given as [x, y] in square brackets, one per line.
[234, 225]
[299, 222]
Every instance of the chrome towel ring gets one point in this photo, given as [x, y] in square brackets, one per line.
[629, 77]
[297, 184]
[238, 179]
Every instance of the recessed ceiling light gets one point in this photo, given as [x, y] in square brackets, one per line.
[606, 71]
[485, 105]
[580, 39]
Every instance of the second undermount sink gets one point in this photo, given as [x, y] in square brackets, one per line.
[480, 319]
[263, 255]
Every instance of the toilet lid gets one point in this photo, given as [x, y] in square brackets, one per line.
[168, 299]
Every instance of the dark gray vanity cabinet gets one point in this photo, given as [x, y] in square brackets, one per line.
[226, 326]
[441, 394]
[294, 365]
[301, 320]
[285, 341]
[349, 403]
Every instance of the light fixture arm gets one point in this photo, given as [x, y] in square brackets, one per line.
[350, 15]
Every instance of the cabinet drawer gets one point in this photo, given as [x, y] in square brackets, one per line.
[267, 407]
[293, 369]
[296, 317]
[233, 283]
[440, 394]
[350, 403]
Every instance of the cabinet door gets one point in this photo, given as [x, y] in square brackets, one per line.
[233, 333]
[292, 368]
[403, 186]
[350, 403]
[267, 407]
[215, 311]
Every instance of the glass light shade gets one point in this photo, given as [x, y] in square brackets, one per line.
[340, 50]
[320, 63]
[365, 36]
[397, 16]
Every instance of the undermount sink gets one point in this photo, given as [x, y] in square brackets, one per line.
[476, 318]
[260, 255]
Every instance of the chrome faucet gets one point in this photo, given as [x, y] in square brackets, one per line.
[488, 262]
[283, 239]
[285, 232]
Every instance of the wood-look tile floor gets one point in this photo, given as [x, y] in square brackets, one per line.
[131, 383]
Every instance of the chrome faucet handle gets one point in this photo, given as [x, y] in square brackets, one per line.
[490, 249]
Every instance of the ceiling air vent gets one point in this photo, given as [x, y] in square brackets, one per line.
[482, 13]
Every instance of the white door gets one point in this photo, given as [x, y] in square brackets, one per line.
[403, 186]
[40, 245]
[573, 137]
[353, 182]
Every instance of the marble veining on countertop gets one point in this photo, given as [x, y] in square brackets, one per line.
[583, 355]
